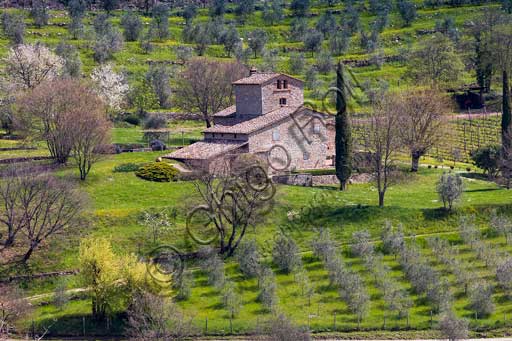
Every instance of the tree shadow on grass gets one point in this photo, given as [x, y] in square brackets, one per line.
[74, 325]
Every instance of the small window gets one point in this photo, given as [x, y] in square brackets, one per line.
[275, 135]
[234, 136]
[316, 128]
[306, 156]
[282, 101]
[285, 84]
[279, 84]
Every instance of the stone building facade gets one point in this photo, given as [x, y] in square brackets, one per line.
[268, 120]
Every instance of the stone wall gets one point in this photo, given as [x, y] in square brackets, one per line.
[248, 100]
[305, 180]
[303, 154]
[271, 94]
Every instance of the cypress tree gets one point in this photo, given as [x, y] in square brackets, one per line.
[343, 140]
[506, 115]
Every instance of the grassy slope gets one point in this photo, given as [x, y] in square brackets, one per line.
[118, 199]
[135, 63]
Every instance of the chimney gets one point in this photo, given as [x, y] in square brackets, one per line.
[253, 71]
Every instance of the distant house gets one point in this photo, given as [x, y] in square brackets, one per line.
[268, 120]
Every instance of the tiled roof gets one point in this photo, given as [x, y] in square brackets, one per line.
[204, 150]
[226, 112]
[261, 77]
[257, 78]
[255, 124]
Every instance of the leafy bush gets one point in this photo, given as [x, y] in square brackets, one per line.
[127, 167]
[158, 171]
[487, 158]
[132, 119]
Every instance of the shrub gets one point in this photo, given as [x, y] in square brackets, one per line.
[453, 328]
[127, 167]
[132, 119]
[155, 122]
[158, 171]
[487, 158]
[450, 188]
[286, 254]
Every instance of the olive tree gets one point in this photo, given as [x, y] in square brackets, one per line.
[248, 258]
[449, 188]
[285, 253]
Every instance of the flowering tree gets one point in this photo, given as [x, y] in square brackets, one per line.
[110, 86]
[28, 65]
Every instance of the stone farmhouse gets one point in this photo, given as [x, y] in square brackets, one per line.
[268, 120]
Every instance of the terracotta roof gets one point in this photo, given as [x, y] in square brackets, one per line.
[229, 111]
[257, 78]
[204, 150]
[255, 124]
[260, 78]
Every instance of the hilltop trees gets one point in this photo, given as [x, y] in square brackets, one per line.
[435, 61]
[132, 26]
[257, 40]
[205, 86]
[13, 27]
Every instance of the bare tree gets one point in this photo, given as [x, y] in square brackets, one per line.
[381, 142]
[205, 86]
[421, 121]
[12, 307]
[230, 203]
[453, 328]
[69, 116]
[153, 317]
[38, 208]
[280, 328]
[90, 126]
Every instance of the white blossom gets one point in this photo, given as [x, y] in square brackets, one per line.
[111, 86]
[28, 65]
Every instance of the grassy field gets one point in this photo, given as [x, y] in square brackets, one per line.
[118, 199]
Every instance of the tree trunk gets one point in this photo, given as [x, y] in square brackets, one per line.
[415, 161]
[381, 198]
[27, 255]
[9, 241]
